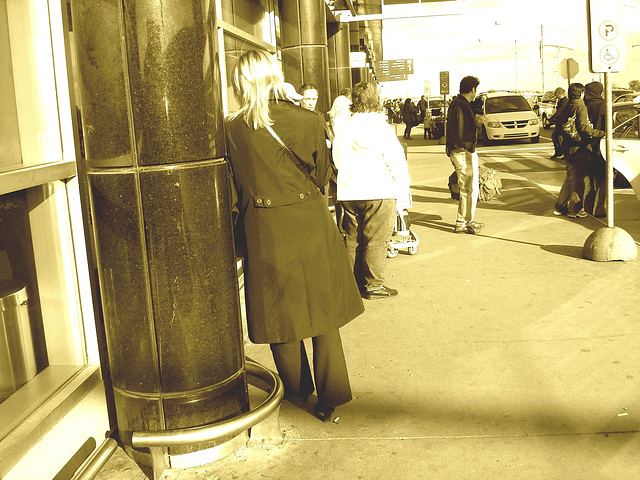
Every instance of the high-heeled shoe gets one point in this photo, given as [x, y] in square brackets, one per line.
[325, 413]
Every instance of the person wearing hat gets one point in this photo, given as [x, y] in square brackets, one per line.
[596, 178]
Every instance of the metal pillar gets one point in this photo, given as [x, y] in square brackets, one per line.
[152, 121]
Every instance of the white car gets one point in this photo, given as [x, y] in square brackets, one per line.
[626, 160]
[626, 152]
[505, 116]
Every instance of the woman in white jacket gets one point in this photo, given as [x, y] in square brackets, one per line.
[372, 175]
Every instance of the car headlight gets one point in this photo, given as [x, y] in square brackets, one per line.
[533, 121]
[493, 124]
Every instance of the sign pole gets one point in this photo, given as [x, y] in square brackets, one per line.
[609, 147]
[607, 53]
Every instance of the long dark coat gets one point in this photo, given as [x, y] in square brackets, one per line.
[298, 280]
[409, 113]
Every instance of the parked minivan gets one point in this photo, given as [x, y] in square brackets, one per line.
[505, 116]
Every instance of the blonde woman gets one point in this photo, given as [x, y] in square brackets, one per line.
[298, 282]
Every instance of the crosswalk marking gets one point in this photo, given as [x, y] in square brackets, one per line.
[519, 162]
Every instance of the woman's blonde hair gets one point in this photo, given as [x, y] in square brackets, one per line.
[256, 79]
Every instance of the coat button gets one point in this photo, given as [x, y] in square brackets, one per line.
[258, 200]
[267, 202]
[308, 192]
[301, 196]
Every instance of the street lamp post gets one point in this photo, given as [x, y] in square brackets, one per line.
[558, 47]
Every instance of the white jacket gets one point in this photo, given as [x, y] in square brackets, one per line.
[370, 160]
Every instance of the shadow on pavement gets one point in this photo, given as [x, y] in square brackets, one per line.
[574, 251]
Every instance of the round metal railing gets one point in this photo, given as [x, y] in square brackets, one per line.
[231, 427]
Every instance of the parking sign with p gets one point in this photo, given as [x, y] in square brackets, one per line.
[444, 83]
[607, 40]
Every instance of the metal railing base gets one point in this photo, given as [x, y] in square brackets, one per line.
[259, 426]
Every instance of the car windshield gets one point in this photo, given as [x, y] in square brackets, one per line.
[506, 104]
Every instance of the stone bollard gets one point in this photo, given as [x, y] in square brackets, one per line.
[608, 244]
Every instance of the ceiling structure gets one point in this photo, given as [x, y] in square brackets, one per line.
[372, 13]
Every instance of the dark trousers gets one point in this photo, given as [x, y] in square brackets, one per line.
[367, 225]
[407, 129]
[329, 368]
[556, 138]
[571, 196]
[596, 186]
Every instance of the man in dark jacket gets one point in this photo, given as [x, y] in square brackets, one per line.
[577, 153]
[461, 149]
[596, 180]
[556, 136]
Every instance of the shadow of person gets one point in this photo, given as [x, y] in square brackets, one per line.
[574, 251]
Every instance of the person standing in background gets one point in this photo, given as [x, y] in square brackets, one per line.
[372, 175]
[309, 94]
[461, 149]
[556, 136]
[596, 179]
[570, 200]
[409, 117]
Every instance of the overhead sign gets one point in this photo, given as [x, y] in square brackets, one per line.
[390, 70]
[568, 68]
[607, 39]
[444, 83]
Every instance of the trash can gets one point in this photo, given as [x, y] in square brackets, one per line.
[17, 355]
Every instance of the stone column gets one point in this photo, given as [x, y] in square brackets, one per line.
[304, 46]
[339, 64]
[357, 74]
[152, 119]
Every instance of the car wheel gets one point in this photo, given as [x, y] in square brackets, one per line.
[485, 137]
[392, 252]
[535, 139]
[545, 122]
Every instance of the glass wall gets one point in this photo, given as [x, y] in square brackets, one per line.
[245, 25]
[47, 332]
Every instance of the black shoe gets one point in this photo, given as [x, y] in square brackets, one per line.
[555, 155]
[382, 292]
[325, 413]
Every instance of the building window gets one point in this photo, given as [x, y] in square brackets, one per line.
[41, 234]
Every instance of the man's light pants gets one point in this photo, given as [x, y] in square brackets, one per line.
[466, 165]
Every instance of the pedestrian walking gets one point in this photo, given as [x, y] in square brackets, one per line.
[409, 117]
[461, 149]
[298, 278]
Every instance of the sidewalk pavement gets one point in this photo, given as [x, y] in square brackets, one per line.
[505, 355]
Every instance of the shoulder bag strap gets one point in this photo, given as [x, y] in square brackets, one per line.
[292, 156]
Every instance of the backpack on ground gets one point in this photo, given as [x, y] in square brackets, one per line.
[490, 184]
